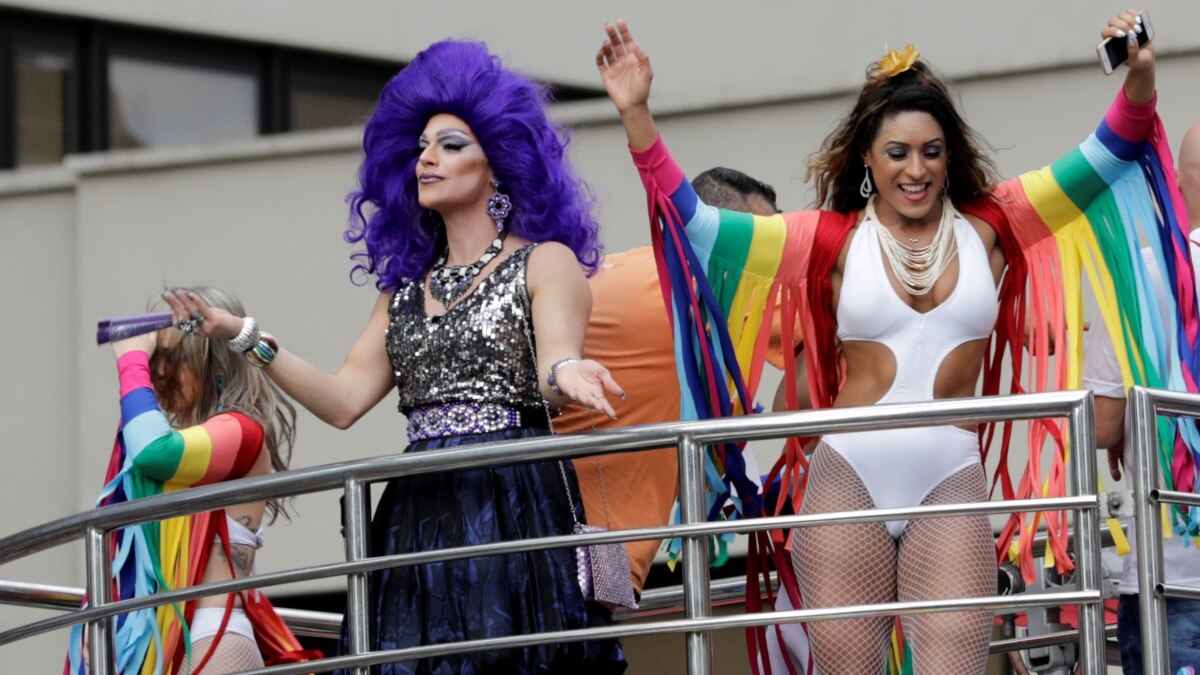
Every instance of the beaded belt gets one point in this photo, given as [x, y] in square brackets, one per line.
[463, 418]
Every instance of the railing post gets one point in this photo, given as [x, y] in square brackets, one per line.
[98, 580]
[1082, 438]
[356, 516]
[1152, 607]
[696, 590]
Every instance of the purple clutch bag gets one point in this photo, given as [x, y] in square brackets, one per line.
[113, 328]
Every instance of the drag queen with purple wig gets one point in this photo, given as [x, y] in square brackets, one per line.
[478, 236]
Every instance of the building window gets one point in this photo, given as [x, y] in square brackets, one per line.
[43, 81]
[324, 95]
[171, 101]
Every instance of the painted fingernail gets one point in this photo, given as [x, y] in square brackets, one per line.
[1132, 38]
[1138, 18]
[1138, 28]
[1120, 33]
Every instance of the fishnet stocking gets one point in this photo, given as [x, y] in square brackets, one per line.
[840, 565]
[943, 558]
[235, 653]
[856, 564]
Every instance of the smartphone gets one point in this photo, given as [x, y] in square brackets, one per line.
[1115, 51]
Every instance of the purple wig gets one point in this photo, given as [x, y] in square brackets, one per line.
[526, 152]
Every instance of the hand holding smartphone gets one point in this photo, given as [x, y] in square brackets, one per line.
[1115, 51]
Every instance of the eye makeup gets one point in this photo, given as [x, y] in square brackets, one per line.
[449, 138]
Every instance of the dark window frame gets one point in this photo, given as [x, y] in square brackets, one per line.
[330, 66]
[35, 31]
[92, 41]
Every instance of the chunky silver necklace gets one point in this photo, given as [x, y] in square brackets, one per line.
[448, 284]
[917, 269]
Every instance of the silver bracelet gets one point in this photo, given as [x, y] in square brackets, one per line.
[246, 338]
[552, 378]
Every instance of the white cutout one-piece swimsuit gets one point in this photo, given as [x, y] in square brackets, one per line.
[900, 467]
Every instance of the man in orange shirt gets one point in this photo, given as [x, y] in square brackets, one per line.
[630, 334]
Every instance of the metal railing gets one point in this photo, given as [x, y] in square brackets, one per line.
[1146, 406]
[654, 601]
[689, 437]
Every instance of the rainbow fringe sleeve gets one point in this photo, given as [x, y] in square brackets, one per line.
[740, 251]
[1086, 217]
[151, 458]
[224, 447]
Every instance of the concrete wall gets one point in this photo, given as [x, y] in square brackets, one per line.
[37, 385]
[264, 218]
[756, 50]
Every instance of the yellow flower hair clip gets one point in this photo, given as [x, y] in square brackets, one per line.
[897, 61]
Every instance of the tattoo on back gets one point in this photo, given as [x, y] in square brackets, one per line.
[243, 558]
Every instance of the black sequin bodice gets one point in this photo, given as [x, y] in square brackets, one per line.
[479, 351]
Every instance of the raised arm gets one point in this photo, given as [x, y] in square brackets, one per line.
[626, 72]
[1109, 154]
[338, 399]
[224, 447]
[1139, 80]
[627, 75]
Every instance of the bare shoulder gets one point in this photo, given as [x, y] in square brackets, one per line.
[550, 258]
[985, 230]
[552, 253]
[552, 263]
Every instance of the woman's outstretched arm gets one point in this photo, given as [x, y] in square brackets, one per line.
[338, 399]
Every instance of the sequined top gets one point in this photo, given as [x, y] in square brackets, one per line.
[479, 351]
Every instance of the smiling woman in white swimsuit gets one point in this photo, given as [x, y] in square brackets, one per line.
[909, 283]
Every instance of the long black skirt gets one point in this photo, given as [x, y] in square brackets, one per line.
[477, 598]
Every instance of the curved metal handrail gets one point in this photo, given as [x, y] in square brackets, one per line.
[328, 625]
[609, 441]
[653, 601]
[688, 436]
[563, 541]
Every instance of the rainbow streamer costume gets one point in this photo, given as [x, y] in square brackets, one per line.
[151, 458]
[726, 276]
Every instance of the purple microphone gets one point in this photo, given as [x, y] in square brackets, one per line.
[113, 328]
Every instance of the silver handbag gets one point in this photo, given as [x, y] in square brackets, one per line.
[603, 569]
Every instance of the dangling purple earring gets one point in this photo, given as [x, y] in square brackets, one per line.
[499, 206]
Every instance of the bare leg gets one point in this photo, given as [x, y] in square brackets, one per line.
[944, 558]
[841, 565]
[235, 653]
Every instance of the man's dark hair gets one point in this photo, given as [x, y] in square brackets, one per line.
[729, 188]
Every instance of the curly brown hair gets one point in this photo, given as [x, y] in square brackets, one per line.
[836, 169]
